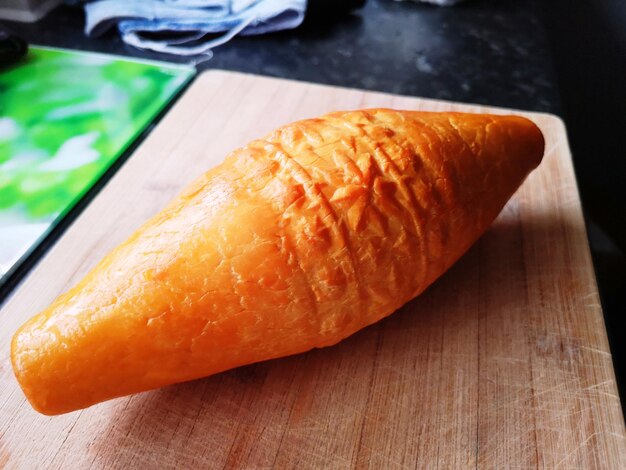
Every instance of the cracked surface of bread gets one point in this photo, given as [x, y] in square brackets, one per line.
[296, 241]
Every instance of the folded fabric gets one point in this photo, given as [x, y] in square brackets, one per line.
[188, 27]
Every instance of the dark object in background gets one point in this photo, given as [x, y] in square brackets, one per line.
[12, 48]
[329, 10]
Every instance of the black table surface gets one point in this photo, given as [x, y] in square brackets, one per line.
[562, 57]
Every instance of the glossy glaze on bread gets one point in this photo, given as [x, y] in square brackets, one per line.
[296, 241]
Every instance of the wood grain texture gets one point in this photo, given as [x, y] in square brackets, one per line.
[502, 363]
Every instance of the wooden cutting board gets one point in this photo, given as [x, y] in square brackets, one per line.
[502, 363]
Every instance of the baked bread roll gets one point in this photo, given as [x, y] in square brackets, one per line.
[295, 242]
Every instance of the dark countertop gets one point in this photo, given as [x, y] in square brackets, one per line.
[560, 57]
[489, 52]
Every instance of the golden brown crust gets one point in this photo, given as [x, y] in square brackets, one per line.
[296, 241]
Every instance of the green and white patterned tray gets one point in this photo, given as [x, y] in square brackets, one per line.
[65, 117]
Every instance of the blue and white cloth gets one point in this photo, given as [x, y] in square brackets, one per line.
[188, 27]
